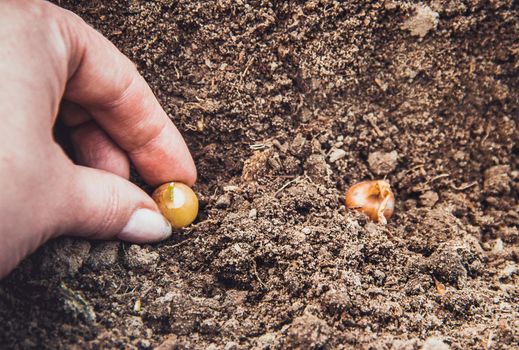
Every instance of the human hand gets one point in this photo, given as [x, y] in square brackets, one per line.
[51, 59]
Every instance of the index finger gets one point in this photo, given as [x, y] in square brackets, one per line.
[108, 85]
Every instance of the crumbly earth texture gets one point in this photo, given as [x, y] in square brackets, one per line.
[284, 106]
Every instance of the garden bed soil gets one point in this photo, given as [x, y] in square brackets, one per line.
[284, 106]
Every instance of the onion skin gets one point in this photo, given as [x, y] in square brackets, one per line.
[373, 198]
[177, 202]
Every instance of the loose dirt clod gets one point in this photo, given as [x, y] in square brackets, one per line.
[103, 255]
[137, 257]
[423, 21]
[64, 257]
[429, 198]
[497, 180]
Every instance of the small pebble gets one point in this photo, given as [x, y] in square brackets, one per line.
[223, 201]
[337, 154]
[434, 343]
[382, 163]
[498, 246]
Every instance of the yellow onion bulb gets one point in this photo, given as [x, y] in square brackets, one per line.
[373, 198]
[177, 202]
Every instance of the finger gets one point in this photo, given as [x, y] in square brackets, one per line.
[92, 146]
[102, 205]
[95, 149]
[72, 114]
[122, 103]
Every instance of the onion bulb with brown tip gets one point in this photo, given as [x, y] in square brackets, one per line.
[177, 202]
[373, 198]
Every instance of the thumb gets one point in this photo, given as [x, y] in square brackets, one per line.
[105, 206]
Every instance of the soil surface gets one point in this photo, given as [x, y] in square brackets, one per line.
[285, 105]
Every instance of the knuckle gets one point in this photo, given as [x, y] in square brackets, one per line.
[147, 140]
[128, 89]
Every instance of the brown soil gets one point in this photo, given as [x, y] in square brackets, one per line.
[284, 106]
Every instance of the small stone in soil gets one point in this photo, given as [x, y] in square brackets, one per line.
[337, 154]
[434, 343]
[381, 163]
[223, 201]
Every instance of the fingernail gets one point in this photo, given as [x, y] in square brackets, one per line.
[145, 226]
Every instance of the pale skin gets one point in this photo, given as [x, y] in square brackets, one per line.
[53, 64]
